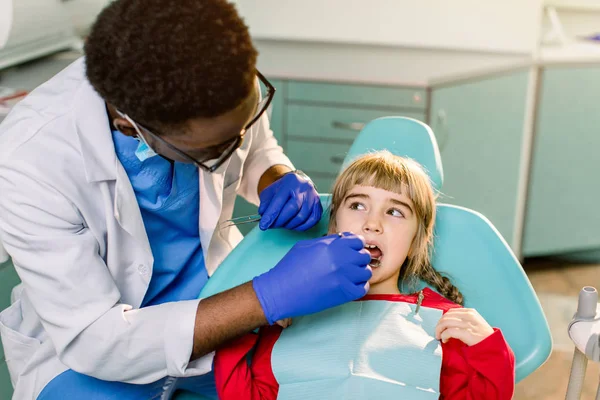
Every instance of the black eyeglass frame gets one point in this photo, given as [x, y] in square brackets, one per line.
[232, 144]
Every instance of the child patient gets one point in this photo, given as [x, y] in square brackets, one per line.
[390, 202]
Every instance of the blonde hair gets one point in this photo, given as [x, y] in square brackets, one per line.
[396, 174]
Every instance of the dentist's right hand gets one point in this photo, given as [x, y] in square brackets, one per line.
[315, 275]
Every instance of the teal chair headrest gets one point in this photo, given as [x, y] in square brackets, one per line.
[404, 137]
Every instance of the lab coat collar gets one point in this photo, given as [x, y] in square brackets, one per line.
[101, 162]
[211, 204]
[95, 139]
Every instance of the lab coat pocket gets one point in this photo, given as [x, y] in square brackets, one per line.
[18, 348]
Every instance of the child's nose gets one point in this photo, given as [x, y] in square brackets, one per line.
[372, 225]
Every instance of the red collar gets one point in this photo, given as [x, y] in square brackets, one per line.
[431, 299]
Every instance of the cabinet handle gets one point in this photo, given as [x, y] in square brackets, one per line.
[441, 130]
[351, 126]
[337, 160]
[417, 97]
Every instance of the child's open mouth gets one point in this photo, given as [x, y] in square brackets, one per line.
[376, 255]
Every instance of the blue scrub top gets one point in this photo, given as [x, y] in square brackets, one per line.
[169, 200]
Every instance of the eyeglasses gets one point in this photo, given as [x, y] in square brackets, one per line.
[215, 156]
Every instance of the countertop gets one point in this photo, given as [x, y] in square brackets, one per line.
[354, 63]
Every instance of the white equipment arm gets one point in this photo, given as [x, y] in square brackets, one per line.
[6, 14]
[584, 330]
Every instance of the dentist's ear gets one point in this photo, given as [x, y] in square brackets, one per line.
[125, 127]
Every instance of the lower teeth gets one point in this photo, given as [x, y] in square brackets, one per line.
[374, 262]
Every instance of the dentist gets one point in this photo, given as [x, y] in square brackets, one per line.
[115, 176]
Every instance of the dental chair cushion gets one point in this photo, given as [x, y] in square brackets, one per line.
[405, 137]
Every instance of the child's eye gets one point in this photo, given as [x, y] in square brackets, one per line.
[394, 212]
[357, 206]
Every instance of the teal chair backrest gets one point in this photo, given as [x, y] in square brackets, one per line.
[467, 248]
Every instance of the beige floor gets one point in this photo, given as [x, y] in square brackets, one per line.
[557, 284]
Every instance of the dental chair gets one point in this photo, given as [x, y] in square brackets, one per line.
[467, 248]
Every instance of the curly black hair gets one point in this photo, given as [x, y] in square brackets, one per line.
[164, 62]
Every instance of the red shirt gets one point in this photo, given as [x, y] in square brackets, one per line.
[483, 371]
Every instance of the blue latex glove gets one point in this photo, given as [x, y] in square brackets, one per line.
[291, 202]
[315, 275]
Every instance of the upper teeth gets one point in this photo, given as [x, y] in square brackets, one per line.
[371, 246]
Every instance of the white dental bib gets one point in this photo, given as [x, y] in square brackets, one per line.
[370, 349]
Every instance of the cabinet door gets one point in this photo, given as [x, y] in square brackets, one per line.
[355, 95]
[6, 389]
[315, 158]
[563, 211]
[479, 128]
[325, 122]
[276, 110]
[8, 280]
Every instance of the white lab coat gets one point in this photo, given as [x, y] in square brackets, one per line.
[70, 220]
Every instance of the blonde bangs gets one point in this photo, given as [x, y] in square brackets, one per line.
[386, 171]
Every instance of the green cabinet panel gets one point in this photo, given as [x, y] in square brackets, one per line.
[6, 389]
[479, 128]
[562, 209]
[388, 97]
[315, 157]
[8, 280]
[277, 110]
[325, 122]
[324, 183]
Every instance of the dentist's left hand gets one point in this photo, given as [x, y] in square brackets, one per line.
[291, 203]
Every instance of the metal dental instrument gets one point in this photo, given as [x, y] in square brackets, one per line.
[240, 221]
[419, 301]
